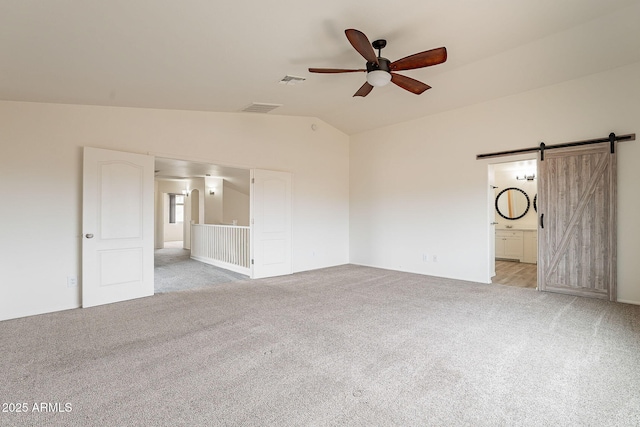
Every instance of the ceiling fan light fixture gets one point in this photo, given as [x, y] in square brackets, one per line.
[378, 77]
[380, 71]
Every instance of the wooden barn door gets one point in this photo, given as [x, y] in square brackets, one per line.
[577, 221]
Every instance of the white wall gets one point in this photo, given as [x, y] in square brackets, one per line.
[236, 206]
[417, 187]
[41, 146]
[213, 212]
[197, 184]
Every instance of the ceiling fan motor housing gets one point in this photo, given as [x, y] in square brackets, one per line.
[382, 65]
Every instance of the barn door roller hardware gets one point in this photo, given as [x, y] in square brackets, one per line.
[611, 139]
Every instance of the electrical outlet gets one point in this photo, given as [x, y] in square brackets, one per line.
[72, 281]
[425, 257]
[435, 258]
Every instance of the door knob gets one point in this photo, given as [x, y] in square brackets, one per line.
[89, 236]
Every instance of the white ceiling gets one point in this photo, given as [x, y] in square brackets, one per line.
[222, 55]
[172, 169]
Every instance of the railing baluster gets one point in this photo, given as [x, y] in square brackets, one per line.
[224, 243]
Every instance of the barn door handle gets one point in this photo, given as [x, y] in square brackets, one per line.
[542, 221]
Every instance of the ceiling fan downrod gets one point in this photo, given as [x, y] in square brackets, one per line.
[379, 44]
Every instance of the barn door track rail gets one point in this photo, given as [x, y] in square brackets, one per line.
[612, 139]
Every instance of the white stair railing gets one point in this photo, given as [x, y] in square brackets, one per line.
[225, 246]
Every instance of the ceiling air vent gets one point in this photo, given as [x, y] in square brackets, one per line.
[257, 107]
[291, 80]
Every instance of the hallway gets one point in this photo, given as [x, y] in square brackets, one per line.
[174, 270]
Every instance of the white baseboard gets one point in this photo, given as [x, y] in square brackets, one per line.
[628, 302]
[225, 265]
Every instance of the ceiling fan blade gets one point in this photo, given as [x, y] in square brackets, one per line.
[364, 90]
[407, 83]
[332, 70]
[420, 60]
[361, 43]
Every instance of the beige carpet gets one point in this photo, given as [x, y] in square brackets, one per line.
[344, 346]
[174, 270]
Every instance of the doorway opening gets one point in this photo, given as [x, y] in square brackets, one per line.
[513, 208]
[193, 199]
[123, 217]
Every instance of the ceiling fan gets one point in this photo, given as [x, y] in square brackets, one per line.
[381, 71]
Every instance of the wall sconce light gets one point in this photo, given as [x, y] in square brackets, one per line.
[527, 177]
[211, 192]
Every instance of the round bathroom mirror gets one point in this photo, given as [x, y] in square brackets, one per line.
[512, 203]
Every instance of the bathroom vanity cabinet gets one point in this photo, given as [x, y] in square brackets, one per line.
[521, 245]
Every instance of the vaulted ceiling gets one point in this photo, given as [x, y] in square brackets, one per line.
[223, 55]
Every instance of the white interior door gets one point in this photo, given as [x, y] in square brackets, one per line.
[271, 197]
[117, 226]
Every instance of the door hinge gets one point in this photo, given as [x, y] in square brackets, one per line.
[251, 261]
[253, 180]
